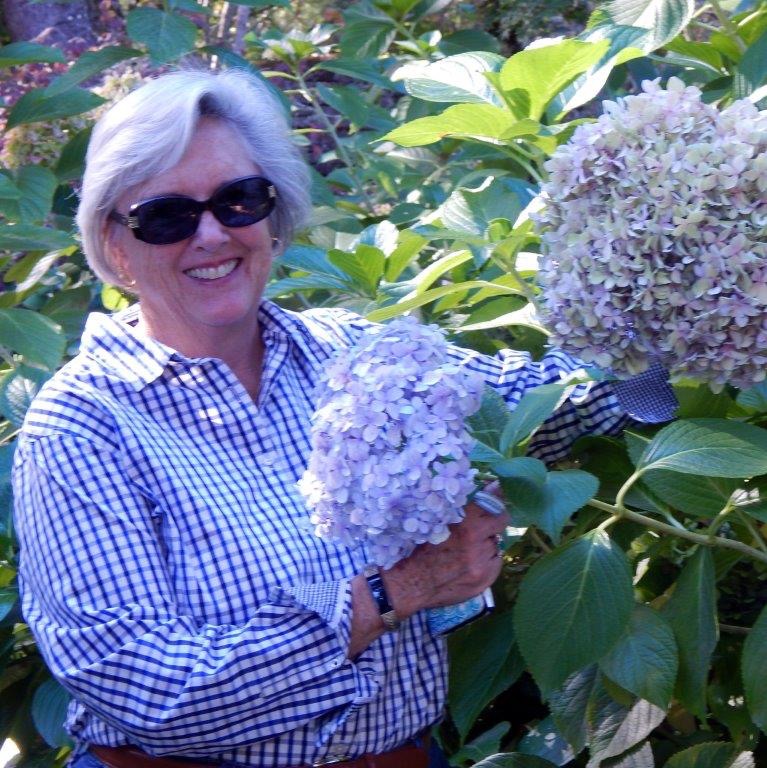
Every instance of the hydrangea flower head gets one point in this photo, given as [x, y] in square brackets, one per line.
[389, 465]
[654, 238]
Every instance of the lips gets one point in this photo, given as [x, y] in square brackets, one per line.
[213, 273]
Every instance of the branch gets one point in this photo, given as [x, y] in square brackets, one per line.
[697, 538]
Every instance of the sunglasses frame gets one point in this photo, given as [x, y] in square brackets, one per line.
[132, 219]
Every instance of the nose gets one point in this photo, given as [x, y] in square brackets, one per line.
[210, 232]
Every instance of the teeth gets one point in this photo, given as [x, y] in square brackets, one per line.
[213, 273]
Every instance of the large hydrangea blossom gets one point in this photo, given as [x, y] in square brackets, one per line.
[654, 238]
[389, 465]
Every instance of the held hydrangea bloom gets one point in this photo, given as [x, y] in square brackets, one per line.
[654, 238]
[389, 465]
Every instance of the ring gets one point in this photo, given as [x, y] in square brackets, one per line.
[488, 503]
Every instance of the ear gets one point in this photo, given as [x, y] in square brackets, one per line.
[113, 239]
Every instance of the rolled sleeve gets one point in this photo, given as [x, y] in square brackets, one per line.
[99, 595]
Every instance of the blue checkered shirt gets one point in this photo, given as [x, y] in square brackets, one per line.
[168, 568]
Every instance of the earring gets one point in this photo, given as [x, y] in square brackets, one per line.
[125, 282]
[275, 243]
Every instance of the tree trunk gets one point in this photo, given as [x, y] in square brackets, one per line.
[50, 23]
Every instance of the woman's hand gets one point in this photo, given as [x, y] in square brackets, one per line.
[451, 572]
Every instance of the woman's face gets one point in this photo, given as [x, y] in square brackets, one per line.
[198, 292]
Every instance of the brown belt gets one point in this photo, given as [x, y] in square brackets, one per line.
[408, 756]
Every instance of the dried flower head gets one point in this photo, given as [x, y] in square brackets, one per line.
[389, 465]
[654, 238]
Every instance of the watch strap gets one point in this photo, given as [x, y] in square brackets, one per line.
[378, 591]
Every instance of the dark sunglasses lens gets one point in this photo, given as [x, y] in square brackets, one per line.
[167, 219]
[243, 202]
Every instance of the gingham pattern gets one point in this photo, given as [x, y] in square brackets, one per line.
[168, 569]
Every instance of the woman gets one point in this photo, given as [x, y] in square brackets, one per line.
[168, 570]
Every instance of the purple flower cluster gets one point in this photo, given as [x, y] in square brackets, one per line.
[389, 465]
[654, 238]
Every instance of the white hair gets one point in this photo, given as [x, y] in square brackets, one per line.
[148, 131]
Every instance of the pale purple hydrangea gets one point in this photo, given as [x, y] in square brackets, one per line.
[654, 238]
[389, 465]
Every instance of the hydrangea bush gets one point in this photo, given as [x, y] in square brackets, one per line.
[389, 466]
[654, 238]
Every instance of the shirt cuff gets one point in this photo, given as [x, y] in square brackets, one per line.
[648, 397]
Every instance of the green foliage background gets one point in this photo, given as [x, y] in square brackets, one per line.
[631, 628]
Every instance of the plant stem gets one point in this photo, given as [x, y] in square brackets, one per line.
[697, 538]
[306, 92]
[718, 521]
[535, 536]
[753, 530]
[731, 629]
[728, 27]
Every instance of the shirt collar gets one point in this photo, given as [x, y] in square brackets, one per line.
[114, 342]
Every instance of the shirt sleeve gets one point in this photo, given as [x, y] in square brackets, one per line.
[98, 595]
[591, 408]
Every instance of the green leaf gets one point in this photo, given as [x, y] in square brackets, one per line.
[692, 494]
[711, 755]
[573, 604]
[365, 266]
[17, 390]
[664, 18]
[167, 35]
[480, 122]
[8, 190]
[49, 710]
[405, 305]
[367, 70]
[89, 64]
[550, 506]
[430, 274]
[468, 40]
[26, 53]
[691, 612]
[532, 78]
[28, 237]
[621, 729]
[472, 211]
[708, 447]
[570, 706]
[487, 423]
[644, 660]
[307, 258]
[514, 760]
[35, 337]
[544, 741]
[481, 747]
[37, 185]
[354, 105]
[754, 398]
[752, 69]
[755, 671]
[460, 78]
[69, 308]
[533, 409]
[71, 162]
[367, 31]
[35, 106]
[8, 598]
[484, 662]
[291, 285]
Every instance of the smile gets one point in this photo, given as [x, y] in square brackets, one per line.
[213, 273]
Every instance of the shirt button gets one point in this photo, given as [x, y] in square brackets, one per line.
[267, 459]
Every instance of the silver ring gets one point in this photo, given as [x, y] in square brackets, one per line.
[489, 503]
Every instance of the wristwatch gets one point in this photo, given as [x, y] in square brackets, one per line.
[388, 614]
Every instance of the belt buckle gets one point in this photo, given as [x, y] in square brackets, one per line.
[332, 761]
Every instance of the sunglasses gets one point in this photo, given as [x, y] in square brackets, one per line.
[173, 218]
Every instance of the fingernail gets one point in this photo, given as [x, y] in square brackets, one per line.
[488, 502]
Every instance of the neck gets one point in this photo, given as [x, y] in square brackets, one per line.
[242, 350]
